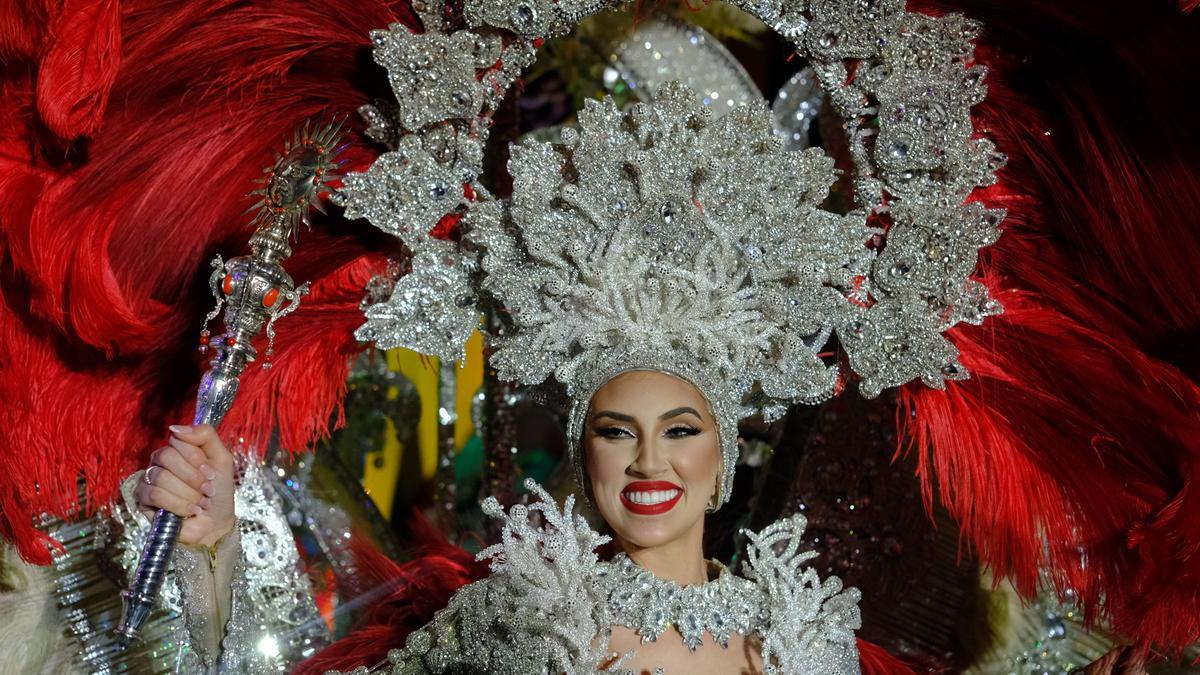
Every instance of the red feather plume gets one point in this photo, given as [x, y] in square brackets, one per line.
[1075, 446]
[105, 239]
[80, 67]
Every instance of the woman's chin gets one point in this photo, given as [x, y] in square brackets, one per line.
[654, 532]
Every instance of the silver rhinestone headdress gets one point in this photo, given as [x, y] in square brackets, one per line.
[655, 238]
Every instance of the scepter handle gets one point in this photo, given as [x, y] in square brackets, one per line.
[216, 394]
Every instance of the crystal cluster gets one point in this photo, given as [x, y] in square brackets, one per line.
[723, 607]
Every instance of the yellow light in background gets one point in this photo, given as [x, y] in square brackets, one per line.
[379, 475]
[470, 379]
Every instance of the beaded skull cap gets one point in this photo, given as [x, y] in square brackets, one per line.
[656, 238]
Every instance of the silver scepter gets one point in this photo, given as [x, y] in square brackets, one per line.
[256, 291]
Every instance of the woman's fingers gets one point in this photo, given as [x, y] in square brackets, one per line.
[173, 460]
[205, 438]
[194, 456]
[161, 489]
[205, 492]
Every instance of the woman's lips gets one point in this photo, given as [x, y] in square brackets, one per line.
[650, 497]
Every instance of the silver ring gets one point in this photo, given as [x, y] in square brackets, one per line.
[146, 474]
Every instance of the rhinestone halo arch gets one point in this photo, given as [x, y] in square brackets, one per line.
[903, 82]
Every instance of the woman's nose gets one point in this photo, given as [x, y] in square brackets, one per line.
[650, 460]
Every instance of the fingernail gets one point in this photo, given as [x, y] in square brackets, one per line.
[206, 502]
[207, 488]
[196, 510]
[208, 472]
[180, 429]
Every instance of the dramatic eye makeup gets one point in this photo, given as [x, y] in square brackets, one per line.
[681, 431]
[612, 432]
[602, 424]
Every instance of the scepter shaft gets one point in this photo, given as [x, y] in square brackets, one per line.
[217, 391]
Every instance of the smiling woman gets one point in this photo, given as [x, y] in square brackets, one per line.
[653, 282]
[653, 460]
[653, 463]
[676, 272]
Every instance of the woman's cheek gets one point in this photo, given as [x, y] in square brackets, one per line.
[606, 471]
[697, 462]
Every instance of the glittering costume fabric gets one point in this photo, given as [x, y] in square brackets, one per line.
[269, 619]
[550, 603]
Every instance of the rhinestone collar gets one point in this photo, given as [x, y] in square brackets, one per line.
[649, 605]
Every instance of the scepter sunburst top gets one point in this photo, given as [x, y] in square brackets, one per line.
[300, 176]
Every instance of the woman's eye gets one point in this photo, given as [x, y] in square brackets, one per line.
[681, 432]
[614, 432]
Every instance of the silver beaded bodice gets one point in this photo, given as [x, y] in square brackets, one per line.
[550, 604]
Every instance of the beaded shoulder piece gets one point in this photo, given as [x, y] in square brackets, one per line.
[550, 603]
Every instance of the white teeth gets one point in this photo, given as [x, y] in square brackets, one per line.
[651, 497]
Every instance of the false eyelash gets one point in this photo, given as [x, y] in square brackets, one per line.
[614, 432]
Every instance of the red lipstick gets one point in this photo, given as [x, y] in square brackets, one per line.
[650, 486]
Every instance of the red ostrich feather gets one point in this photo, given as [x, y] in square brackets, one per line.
[121, 175]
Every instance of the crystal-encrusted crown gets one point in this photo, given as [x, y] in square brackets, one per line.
[655, 238]
[659, 239]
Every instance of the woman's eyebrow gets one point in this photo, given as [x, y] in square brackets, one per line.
[615, 415]
[679, 411]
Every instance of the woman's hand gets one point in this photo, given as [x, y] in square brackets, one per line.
[192, 477]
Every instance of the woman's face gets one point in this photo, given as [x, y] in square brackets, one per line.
[652, 456]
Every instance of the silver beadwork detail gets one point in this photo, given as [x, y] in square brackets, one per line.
[722, 607]
[550, 602]
[272, 596]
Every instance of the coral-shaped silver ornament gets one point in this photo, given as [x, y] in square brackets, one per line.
[812, 620]
[550, 604]
[541, 611]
